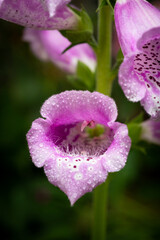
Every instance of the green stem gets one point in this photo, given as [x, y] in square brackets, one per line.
[100, 212]
[104, 85]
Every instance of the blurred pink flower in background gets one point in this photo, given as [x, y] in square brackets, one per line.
[138, 28]
[49, 45]
[73, 159]
[151, 131]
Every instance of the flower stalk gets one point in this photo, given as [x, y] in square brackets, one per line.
[103, 85]
[104, 82]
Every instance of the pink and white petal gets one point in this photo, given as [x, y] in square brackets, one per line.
[133, 18]
[133, 88]
[71, 107]
[75, 182]
[151, 103]
[31, 13]
[115, 157]
[40, 146]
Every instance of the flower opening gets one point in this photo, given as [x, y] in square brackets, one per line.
[78, 142]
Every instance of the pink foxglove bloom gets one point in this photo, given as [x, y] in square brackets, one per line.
[151, 131]
[49, 45]
[73, 159]
[138, 29]
[40, 14]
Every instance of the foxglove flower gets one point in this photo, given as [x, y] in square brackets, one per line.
[39, 14]
[49, 45]
[151, 131]
[73, 159]
[138, 28]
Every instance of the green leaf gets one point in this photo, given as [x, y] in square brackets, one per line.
[134, 130]
[140, 149]
[104, 3]
[138, 119]
[76, 83]
[84, 78]
[86, 75]
[84, 31]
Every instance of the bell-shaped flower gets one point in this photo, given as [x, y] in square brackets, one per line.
[78, 141]
[49, 45]
[39, 14]
[151, 131]
[138, 28]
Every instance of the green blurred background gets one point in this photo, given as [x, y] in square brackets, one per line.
[31, 208]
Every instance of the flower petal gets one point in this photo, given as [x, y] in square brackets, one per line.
[115, 157]
[151, 103]
[76, 106]
[133, 88]
[133, 18]
[41, 149]
[34, 14]
[75, 182]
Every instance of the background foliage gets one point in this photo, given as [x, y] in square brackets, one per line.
[31, 208]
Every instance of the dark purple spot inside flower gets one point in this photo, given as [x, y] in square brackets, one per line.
[144, 62]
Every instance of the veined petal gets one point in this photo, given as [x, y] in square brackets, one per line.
[75, 106]
[34, 14]
[133, 88]
[133, 18]
[49, 45]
